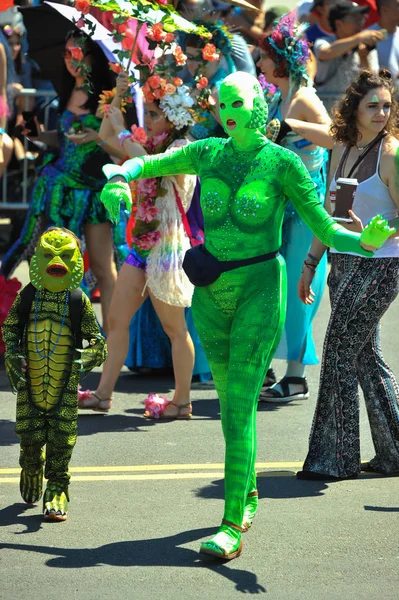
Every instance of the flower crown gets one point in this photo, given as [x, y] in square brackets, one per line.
[296, 48]
[158, 75]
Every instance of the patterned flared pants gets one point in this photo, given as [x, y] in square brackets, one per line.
[361, 290]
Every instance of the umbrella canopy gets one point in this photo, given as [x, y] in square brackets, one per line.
[47, 27]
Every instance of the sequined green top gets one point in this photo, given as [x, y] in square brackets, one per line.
[244, 194]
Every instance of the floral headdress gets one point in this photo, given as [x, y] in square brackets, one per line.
[288, 41]
[159, 69]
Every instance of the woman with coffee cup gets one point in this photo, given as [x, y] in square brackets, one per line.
[361, 289]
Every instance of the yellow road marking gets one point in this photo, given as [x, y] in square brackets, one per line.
[156, 476]
[183, 467]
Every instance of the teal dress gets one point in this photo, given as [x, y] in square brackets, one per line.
[297, 340]
[66, 194]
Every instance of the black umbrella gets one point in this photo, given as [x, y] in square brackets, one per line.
[47, 29]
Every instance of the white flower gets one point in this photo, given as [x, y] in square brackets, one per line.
[175, 106]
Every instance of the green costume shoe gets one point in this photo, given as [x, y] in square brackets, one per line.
[226, 544]
[250, 510]
[31, 485]
[55, 503]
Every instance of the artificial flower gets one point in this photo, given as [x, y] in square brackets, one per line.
[202, 83]
[146, 211]
[179, 56]
[138, 135]
[82, 6]
[209, 53]
[154, 81]
[146, 241]
[156, 33]
[177, 81]
[169, 88]
[115, 67]
[76, 53]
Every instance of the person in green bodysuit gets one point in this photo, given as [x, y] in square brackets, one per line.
[246, 181]
[43, 359]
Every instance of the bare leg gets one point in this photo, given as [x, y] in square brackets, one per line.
[126, 300]
[101, 255]
[8, 146]
[174, 324]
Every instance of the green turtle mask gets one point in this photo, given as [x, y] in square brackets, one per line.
[242, 107]
[57, 264]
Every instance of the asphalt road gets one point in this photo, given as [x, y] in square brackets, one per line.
[144, 494]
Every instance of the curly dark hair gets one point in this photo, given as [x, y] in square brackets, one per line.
[344, 127]
[281, 69]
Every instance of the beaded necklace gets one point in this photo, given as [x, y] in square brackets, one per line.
[37, 296]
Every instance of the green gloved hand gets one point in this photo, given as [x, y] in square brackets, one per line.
[376, 232]
[113, 193]
[92, 356]
[15, 367]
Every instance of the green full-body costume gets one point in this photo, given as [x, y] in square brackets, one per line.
[44, 364]
[246, 182]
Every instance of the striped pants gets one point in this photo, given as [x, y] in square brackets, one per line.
[361, 291]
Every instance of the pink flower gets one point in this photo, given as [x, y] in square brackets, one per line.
[138, 134]
[147, 187]
[155, 405]
[147, 240]
[146, 211]
[169, 38]
[81, 23]
[76, 53]
[163, 2]
[209, 53]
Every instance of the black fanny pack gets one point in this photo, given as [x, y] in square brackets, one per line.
[202, 268]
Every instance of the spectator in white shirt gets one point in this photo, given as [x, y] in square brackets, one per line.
[388, 48]
[340, 59]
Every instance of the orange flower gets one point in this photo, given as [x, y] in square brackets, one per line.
[169, 89]
[209, 53]
[138, 134]
[156, 33]
[154, 81]
[115, 67]
[76, 53]
[177, 81]
[179, 56]
[159, 93]
[202, 83]
[82, 6]
[147, 93]
[169, 38]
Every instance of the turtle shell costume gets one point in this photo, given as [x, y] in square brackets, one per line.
[44, 359]
[246, 182]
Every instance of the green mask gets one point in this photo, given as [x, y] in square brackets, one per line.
[57, 264]
[243, 109]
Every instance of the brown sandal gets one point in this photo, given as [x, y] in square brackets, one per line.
[96, 407]
[179, 415]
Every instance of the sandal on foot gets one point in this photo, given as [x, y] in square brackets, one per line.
[85, 402]
[270, 380]
[155, 407]
[274, 395]
[214, 547]
[250, 510]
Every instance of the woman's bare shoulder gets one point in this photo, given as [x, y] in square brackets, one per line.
[391, 145]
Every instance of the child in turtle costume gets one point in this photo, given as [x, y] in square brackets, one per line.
[44, 358]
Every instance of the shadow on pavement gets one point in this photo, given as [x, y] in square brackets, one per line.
[271, 484]
[382, 508]
[15, 515]
[159, 552]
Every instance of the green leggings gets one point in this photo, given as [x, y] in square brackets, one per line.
[239, 319]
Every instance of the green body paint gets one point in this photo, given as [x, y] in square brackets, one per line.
[246, 182]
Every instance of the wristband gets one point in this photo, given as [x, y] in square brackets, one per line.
[2, 131]
[310, 265]
[123, 135]
[317, 260]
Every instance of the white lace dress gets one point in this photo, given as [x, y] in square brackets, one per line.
[165, 276]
